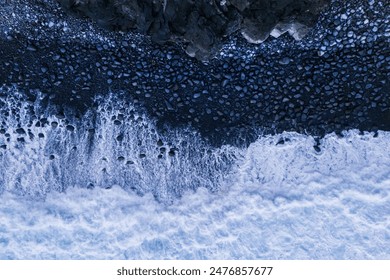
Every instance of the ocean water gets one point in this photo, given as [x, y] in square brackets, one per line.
[71, 189]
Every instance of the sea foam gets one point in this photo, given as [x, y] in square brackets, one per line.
[279, 202]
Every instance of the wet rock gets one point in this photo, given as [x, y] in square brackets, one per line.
[70, 128]
[202, 24]
[160, 143]
[285, 61]
[60, 116]
[20, 131]
[31, 48]
[172, 152]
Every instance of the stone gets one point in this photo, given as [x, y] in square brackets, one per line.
[202, 25]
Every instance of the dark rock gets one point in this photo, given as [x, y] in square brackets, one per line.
[31, 48]
[201, 24]
[60, 116]
[70, 128]
[285, 61]
[171, 152]
[20, 131]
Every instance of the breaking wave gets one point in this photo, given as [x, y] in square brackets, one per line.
[109, 185]
[112, 144]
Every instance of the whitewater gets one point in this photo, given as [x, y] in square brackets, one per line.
[68, 195]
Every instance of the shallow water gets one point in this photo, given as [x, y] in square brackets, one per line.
[272, 200]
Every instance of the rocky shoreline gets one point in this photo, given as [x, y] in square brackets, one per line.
[202, 25]
[337, 78]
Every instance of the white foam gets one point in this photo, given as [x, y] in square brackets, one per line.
[267, 201]
[64, 158]
[279, 202]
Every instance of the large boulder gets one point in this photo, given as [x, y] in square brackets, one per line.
[202, 24]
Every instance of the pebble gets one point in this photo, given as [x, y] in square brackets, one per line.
[285, 61]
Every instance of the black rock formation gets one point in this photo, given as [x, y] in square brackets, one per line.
[334, 79]
[202, 24]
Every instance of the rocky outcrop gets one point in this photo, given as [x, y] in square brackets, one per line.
[202, 24]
